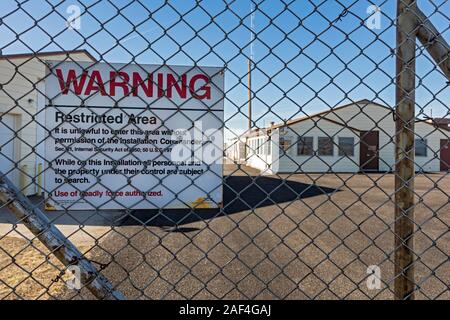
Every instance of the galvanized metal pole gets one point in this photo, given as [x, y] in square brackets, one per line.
[35, 220]
[404, 150]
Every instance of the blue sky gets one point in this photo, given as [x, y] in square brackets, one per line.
[300, 68]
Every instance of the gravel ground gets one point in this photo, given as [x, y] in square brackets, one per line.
[26, 273]
[313, 239]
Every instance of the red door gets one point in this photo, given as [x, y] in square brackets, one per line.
[368, 151]
[445, 154]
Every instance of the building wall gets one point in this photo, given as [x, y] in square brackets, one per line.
[290, 161]
[374, 117]
[258, 155]
[19, 98]
[235, 150]
[433, 136]
[364, 118]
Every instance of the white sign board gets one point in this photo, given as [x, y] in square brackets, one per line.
[133, 136]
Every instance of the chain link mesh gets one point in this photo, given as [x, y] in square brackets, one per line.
[308, 186]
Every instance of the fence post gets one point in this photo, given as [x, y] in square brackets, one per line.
[23, 183]
[404, 150]
[35, 220]
[39, 179]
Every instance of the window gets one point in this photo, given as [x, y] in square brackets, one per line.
[269, 146]
[346, 146]
[305, 146]
[284, 144]
[421, 147]
[325, 146]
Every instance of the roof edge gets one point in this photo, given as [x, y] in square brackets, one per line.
[330, 120]
[325, 112]
[433, 123]
[46, 54]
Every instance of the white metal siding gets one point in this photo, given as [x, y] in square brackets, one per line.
[372, 117]
[375, 117]
[363, 117]
[262, 160]
[291, 162]
[433, 136]
[235, 151]
[7, 146]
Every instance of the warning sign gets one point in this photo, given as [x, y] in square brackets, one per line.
[133, 136]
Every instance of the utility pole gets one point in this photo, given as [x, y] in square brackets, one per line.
[250, 65]
[249, 94]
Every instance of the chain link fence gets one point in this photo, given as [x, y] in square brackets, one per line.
[224, 149]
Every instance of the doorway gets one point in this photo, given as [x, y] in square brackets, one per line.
[368, 151]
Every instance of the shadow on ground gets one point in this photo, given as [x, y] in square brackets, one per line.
[240, 193]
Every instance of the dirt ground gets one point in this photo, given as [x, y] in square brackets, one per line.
[312, 237]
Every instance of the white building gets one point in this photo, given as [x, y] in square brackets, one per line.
[22, 129]
[235, 150]
[350, 138]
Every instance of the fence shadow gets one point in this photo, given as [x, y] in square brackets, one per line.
[240, 193]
